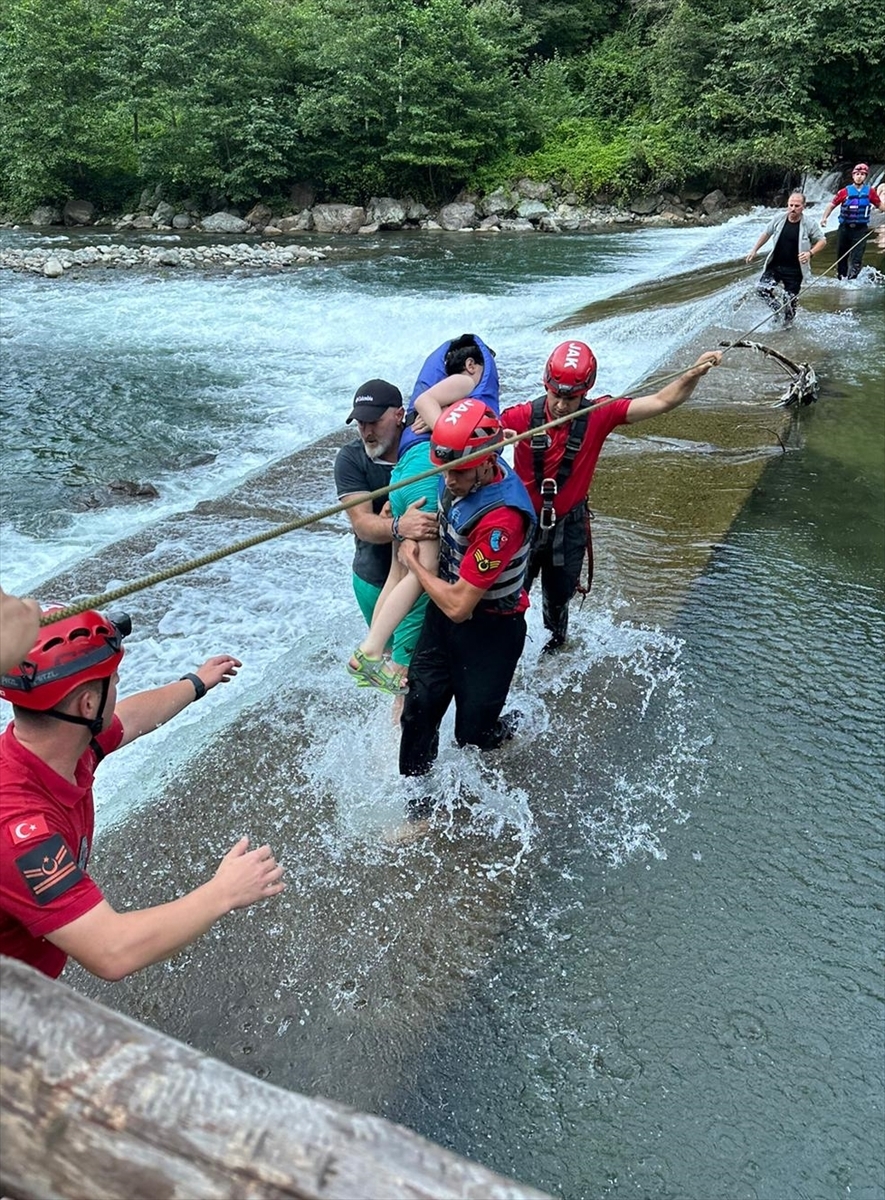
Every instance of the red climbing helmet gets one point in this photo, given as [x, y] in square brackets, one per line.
[570, 370]
[67, 653]
[462, 429]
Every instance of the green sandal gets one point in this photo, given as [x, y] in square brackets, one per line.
[372, 672]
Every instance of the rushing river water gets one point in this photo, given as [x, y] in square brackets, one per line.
[639, 953]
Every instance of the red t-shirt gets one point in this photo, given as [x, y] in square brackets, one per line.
[493, 542]
[600, 423]
[46, 826]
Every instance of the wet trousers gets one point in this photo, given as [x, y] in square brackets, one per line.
[792, 281]
[558, 559]
[471, 663]
[851, 241]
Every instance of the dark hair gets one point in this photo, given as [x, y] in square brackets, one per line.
[460, 350]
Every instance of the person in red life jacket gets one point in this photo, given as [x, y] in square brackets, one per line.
[474, 627]
[19, 626]
[557, 466]
[854, 203]
[797, 238]
[66, 719]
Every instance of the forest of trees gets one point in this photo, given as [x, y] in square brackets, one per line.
[238, 99]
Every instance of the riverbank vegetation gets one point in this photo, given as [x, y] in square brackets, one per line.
[232, 100]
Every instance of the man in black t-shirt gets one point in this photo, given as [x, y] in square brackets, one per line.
[798, 237]
[363, 466]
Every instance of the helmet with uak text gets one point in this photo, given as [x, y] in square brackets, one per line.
[570, 370]
[462, 429]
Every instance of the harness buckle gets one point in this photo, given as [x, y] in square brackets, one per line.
[547, 515]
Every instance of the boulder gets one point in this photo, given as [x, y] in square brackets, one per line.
[415, 210]
[181, 221]
[53, 269]
[79, 212]
[142, 221]
[259, 215]
[338, 218]
[457, 216]
[530, 190]
[46, 214]
[163, 213]
[386, 213]
[499, 203]
[224, 222]
[714, 202]
[169, 258]
[304, 221]
[532, 210]
[644, 206]
[150, 198]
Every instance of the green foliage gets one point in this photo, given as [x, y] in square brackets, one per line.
[240, 98]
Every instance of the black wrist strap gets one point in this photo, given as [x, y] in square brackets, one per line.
[199, 686]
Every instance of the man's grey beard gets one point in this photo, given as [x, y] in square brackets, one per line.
[379, 450]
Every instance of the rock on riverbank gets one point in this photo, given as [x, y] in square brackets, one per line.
[53, 262]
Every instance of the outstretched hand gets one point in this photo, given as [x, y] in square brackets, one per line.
[248, 875]
[221, 668]
[710, 358]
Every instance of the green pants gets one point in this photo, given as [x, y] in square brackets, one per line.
[405, 636]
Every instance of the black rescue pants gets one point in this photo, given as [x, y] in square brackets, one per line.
[473, 663]
[558, 556]
[851, 241]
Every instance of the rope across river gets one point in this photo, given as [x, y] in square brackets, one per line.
[111, 597]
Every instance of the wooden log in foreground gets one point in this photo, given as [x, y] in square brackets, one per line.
[94, 1105]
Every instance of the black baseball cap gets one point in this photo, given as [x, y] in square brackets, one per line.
[373, 399]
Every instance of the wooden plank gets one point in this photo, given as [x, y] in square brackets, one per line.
[93, 1104]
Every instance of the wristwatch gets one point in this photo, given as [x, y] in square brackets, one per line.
[199, 686]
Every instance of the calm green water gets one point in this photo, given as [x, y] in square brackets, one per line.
[643, 957]
[710, 1024]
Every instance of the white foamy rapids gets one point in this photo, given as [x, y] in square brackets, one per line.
[268, 364]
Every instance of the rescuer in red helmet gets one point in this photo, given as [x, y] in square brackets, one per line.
[66, 719]
[557, 466]
[474, 627]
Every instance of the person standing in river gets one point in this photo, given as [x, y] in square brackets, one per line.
[474, 626]
[854, 202]
[557, 465]
[364, 466]
[797, 238]
[66, 719]
[461, 367]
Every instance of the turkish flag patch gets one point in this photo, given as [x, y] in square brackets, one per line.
[30, 827]
[49, 869]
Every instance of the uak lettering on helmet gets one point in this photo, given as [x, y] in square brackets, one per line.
[463, 429]
[570, 370]
[67, 653]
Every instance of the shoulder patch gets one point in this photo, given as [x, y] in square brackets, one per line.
[497, 539]
[49, 869]
[23, 831]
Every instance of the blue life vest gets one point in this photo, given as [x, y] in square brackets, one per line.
[459, 517]
[855, 209]
[433, 371]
